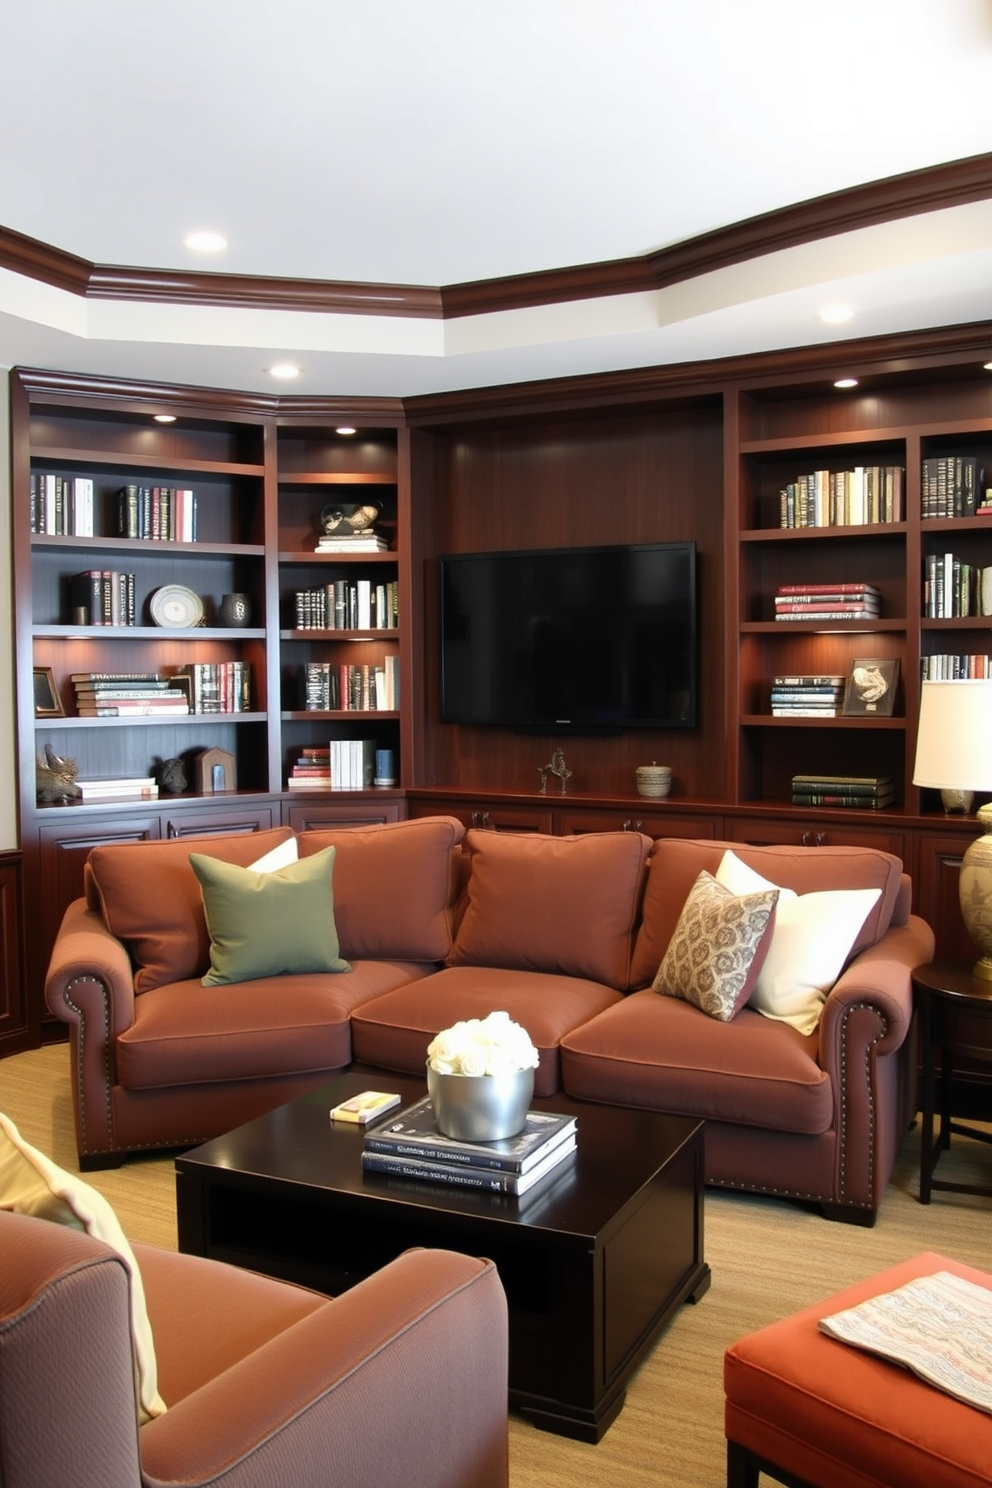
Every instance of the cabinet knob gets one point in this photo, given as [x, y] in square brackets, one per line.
[807, 839]
[821, 839]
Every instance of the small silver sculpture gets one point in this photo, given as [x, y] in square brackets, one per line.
[56, 778]
[556, 766]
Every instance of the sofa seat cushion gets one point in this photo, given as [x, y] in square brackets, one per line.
[564, 905]
[675, 863]
[150, 899]
[393, 1031]
[393, 886]
[187, 1034]
[667, 1055]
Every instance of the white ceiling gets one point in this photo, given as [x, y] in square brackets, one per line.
[444, 141]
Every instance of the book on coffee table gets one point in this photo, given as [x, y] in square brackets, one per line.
[414, 1134]
[487, 1180]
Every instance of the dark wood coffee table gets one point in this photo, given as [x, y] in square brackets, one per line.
[594, 1261]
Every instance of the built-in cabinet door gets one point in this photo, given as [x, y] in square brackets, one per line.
[815, 832]
[220, 821]
[487, 815]
[938, 869]
[314, 816]
[575, 820]
[18, 1029]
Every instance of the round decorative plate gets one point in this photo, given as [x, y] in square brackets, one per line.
[176, 607]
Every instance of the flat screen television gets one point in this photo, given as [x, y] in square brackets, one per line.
[570, 640]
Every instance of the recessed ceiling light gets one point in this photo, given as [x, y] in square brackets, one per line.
[205, 241]
[846, 382]
[164, 418]
[988, 367]
[346, 429]
[284, 370]
[836, 314]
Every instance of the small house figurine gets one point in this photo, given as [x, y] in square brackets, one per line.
[215, 771]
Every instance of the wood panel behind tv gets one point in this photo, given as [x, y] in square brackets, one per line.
[608, 478]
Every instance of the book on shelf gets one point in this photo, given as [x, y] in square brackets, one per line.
[850, 802]
[862, 496]
[486, 1180]
[414, 1133]
[135, 708]
[954, 668]
[807, 710]
[361, 542]
[114, 677]
[145, 787]
[347, 605]
[217, 686]
[830, 679]
[850, 783]
[102, 597]
[952, 486]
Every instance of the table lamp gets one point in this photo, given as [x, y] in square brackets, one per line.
[954, 754]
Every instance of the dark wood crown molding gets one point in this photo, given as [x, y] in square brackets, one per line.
[954, 184]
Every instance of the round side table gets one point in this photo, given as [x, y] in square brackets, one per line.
[956, 1018]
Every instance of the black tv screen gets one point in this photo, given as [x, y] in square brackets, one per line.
[580, 640]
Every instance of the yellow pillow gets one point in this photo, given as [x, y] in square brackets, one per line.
[31, 1184]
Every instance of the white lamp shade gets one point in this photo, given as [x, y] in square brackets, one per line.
[954, 739]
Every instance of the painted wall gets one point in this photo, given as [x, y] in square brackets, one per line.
[8, 757]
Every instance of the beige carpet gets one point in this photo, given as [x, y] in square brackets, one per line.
[768, 1258]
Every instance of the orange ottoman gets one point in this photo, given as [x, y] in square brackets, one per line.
[809, 1410]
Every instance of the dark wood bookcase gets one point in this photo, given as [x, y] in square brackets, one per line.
[695, 453]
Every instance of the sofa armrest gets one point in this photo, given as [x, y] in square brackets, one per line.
[90, 986]
[866, 1047]
[85, 951]
[401, 1379]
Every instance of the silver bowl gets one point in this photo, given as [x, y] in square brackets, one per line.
[480, 1108]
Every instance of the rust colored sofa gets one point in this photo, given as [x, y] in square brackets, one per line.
[565, 934]
[263, 1382]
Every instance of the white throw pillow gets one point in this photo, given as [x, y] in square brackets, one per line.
[280, 857]
[811, 941]
[31, 1184]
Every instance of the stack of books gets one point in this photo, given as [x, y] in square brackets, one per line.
[807, 696]
[862, 792]
[854, 601]
[356, 542]
[127, 695]
[412, 1147]
[107, 788]
[344, 764]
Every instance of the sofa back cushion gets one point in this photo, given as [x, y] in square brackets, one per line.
[566, 905]
[150, 899]
[394, 886]
[675, 864]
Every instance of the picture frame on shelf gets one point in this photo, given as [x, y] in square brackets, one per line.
[47, 703]
[871, 687]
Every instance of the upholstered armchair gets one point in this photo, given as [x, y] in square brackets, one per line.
[401, 1380]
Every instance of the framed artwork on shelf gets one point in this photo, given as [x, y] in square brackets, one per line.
[47, 703]
[871, 687]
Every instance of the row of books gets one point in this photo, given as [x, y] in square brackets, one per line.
[861, 792]
[102, 596]
[345, 686]
[344, 764]
[157, 513]
[62, 505]
[866, 495]
[953, 588]
[410, 1146]
[956, 668]
[953, 486]
[807, 696]
[840, 601]
[218, 686]
[123, 695]
[346, 604]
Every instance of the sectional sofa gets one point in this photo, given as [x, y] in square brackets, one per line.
[201, 989]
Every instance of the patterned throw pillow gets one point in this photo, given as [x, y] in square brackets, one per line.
[718, 947]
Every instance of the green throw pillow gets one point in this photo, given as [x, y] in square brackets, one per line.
[268, 924]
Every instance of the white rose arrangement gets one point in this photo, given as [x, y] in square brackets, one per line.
[483, 1046]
